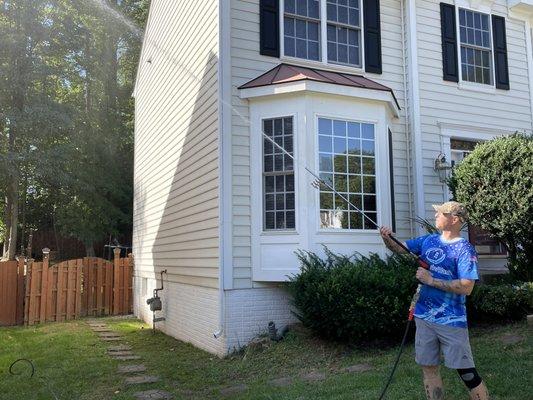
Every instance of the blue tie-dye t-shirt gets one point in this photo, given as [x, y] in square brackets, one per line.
[448, 260]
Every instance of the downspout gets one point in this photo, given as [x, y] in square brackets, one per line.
[415, 109]
[406, 121]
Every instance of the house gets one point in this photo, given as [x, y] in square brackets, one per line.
[377, 97]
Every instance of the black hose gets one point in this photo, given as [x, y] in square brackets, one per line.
[382, 396]
[22, 359]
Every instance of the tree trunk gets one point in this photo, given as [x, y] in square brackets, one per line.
[89, 250]
[7, 222]
[12, 237]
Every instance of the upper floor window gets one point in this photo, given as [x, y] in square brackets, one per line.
[304, 22]
[476, 48]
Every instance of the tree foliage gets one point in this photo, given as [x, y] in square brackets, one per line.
[67, 69]
[495, 182]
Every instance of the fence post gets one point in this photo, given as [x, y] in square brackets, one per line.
[116, 281]
[44, 285]
[20, 291]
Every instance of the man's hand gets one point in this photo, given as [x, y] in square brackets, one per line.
[424, 276]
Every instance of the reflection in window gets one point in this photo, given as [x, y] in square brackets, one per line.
[346, 161]
[278, 175]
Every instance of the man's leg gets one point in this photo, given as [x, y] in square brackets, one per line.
[472, 380]
[433, 383]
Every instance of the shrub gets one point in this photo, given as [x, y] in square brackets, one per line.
[341, 299]
[495, 184]
[500, 302]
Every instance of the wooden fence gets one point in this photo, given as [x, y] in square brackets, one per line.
[11, 292]
[70, 289]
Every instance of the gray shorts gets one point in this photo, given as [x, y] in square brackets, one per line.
[431, 339]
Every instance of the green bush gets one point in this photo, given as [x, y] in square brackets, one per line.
[500, 302]
[495, 183]
[353, 298]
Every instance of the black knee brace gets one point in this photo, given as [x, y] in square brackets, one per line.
[470, 377]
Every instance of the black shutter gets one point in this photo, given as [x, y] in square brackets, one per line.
[269, 28]
[391, 174]
[372, 36]
[450, 68]
[500, 52]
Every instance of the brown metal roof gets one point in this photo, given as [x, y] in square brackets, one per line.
[284, 73]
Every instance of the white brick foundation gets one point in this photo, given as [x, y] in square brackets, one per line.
[191, 312]
[248, 312]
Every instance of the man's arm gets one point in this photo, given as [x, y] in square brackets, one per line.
[391, 244]
[458, 286]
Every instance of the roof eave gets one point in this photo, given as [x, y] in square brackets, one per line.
[324, 88]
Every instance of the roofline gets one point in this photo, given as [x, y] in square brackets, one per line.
[312, 86]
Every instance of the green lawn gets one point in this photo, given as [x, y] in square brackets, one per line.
[71, 363]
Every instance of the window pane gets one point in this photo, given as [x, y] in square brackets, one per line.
[324, 143]
[354, 165]
[354, 146]
[339, 145]
[313, 8]
[354, 183]
[326, 162]
[269, 184]
[289, 26]
[290, 6]
[326, 200]
[369, 166]
[269, 220]
[368, 147]
[339, 164]
[354, 130]
[368, 131]
[289, 179]
[290, 47]
[356, 220]
[324, 126]
[339, 128]
[340, 183]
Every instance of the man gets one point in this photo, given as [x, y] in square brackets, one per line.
[440, 312]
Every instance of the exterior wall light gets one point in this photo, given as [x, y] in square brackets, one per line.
[442, 167]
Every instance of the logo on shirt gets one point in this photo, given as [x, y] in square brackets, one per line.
[435, 255]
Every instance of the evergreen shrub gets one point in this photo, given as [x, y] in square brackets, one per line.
[502, 302]
[353, 298]
[495, 183]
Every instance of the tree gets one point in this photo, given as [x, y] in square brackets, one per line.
[495, 183]
[67, 70]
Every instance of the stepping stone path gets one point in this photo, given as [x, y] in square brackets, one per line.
[154, 394]
[129, 369]
[358, 368]
[314, 376]
[123, 352]
[282, 382]
[233, 390]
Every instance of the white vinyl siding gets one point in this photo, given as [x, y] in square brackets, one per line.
[443, 102]
[247, 64]
[176, 205]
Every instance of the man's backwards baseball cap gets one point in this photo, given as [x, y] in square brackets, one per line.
[453, 208]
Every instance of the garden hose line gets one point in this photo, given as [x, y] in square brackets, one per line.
[11, 372]
[316, 184]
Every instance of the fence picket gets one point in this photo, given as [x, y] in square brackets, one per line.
[78, 289]
[43, 289]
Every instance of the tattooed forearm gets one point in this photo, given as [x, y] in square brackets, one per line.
[392, 246]
[453, 286]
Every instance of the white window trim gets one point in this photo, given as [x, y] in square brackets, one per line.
[378, 165]
[323, 43]
[467, 85]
